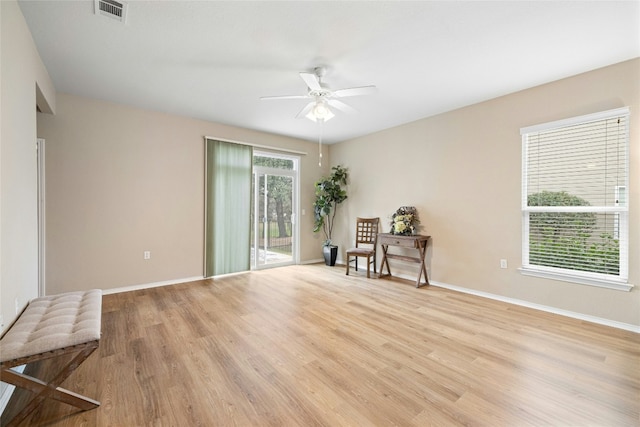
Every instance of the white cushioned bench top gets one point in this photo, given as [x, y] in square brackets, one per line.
[53, 322]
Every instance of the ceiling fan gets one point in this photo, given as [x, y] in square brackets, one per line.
[323, 98]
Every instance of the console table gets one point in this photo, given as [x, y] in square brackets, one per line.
[418, 242]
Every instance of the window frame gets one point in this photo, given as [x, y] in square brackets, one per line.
[619, 282]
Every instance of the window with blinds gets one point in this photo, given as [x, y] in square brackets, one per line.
[575, 199]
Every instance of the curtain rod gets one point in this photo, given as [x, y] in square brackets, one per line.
[284, 150]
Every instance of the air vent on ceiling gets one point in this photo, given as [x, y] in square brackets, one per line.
[112, 9]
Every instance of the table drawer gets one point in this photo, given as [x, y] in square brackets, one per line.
[398, 241]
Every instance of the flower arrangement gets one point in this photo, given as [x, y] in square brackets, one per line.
[405, 221]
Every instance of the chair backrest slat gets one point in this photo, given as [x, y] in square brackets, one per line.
[367, 231]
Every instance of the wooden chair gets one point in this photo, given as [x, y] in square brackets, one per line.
[366, 243]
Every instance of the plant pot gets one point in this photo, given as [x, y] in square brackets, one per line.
[330, 254]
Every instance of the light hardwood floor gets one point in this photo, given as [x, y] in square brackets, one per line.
[309, 346]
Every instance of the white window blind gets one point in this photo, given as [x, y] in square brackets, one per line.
[575, 201]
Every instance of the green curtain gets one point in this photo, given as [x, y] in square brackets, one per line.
[228, 207]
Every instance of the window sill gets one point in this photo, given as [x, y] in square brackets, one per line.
[618, 285]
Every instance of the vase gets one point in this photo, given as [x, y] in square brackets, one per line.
[330, 254]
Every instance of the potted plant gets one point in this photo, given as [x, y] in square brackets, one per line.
[329, 194]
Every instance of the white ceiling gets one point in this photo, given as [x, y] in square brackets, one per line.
[213, 60]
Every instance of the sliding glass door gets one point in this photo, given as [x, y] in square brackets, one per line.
[274, 235]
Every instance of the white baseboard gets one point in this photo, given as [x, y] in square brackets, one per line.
[548, 309]
[150, 285]
[339, 262]
[6, 390]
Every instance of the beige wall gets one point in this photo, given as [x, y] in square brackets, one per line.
[121, 181]
[462, 170]
[24, 82]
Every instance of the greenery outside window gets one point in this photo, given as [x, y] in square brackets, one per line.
[575, 199]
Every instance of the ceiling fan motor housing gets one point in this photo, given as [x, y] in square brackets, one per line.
[322, 93]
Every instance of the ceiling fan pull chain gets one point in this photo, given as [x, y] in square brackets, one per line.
[320, 123]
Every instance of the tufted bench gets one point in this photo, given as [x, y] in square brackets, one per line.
[49, 327]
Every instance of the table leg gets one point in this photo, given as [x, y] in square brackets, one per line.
[423, 269]
[384, 261]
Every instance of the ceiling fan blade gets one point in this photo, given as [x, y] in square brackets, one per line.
[355, 91]
[285, 97]
[311, 80]
[305, 110]
[341, 106]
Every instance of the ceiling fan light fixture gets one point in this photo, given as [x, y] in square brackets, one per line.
[320, 111]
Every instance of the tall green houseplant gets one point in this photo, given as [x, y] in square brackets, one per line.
[329, 194]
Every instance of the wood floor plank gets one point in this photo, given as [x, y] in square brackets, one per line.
[309, 346]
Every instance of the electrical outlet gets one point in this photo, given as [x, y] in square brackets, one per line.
[17, 306]
[503, 263]
[147, 254]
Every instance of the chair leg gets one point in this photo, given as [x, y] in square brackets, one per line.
[348, 264]
[368, 269]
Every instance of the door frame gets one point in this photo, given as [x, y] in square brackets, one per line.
[295, 204]
[41, 177]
